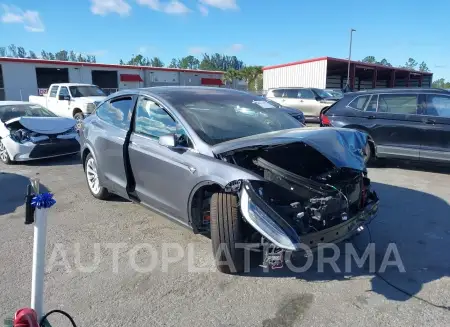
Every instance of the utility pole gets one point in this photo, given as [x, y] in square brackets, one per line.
[350, 57]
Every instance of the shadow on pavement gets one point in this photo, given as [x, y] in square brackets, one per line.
[13, 189]
[416, 222]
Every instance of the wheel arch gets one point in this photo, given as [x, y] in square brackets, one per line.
[360, 128]
[76, 110]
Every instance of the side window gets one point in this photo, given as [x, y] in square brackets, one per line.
[153, 121]
[116, 112]
[372, 106]
[53, 91]
[438, 105]
[291, 93]
[405, 104]
[306, 94]
[64, 91]
[359, 103]
[277, 93]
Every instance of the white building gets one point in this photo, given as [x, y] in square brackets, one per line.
[327, 72]
[20, 77]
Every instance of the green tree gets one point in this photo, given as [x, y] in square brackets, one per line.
[21, 53]
[173, 63]
[72, 56]
[62, 55]
[369, 60]
[12, 50]
[441, 84]
[189, 62]
[121, 62]
[2, 52]
[156, 62]
[411, 64]
[80, 58]
[44, 55]
[251, 75]
[423, 67]
[384, 62]
[51, 56]
[32, 55]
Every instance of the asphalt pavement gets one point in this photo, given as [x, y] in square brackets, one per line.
[101, 286]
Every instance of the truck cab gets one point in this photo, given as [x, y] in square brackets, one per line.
[72, 100]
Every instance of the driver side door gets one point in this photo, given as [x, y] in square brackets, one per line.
[63, 102]
[163, 176]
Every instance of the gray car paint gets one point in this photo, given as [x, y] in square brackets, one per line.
[166, 179]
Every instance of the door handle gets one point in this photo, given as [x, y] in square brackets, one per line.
[371, 117]
[430, 121]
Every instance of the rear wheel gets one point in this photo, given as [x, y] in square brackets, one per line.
[78, 115]
[96, 189]
[227, 233]
[367, 153]
[4, 156]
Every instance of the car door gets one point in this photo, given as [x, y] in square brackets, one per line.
[63, 102]
[51, 100]
[111, 128]
[311, 106]
[291, 100]
[163, 178]
[436, 136]
[393, 123]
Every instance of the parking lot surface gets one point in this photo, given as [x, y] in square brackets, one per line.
[414, 214]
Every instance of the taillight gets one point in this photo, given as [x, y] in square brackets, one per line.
[324, 120]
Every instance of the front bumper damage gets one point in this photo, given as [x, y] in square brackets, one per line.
[283, 236]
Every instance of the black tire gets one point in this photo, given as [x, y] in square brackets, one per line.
[226, 233]
[4, 156]
[101, 192]
[78, 115]
[368, 152]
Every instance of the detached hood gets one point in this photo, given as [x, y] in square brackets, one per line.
[342, 146]
[45, 125]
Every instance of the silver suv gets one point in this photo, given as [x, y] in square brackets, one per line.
[309, 100]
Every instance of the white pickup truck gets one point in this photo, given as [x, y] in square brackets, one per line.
[70, 99]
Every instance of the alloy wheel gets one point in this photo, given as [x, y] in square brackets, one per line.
[3, 153]
[92, 176]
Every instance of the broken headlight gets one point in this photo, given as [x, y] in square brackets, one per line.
[21, 135]
[264, 224]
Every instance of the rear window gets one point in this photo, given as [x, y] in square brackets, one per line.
[359, 103]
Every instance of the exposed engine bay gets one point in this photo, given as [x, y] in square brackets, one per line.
[21, 134]
[303, 186]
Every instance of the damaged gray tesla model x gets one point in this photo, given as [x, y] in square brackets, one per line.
[229, 164]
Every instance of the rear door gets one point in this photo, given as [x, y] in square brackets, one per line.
[163, 176]
[52, 103]
[436, 120]
[63, 104]
[311, 107]
[111, 129]
[395, 125]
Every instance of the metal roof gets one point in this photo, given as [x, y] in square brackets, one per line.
[93, 65]
[359, 63]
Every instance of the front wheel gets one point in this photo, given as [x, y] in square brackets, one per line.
[4, 156]
[227, 233]
[96, 189]
[78, 116]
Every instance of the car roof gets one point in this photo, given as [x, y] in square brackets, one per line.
[73, 84]
[291, 87]
[399, 90]
[164, 90]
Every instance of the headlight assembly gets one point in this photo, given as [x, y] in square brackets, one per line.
[264, 224]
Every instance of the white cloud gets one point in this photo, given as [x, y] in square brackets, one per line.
[221, 4]
[197, 50]
[237, 47]
[104, 7]
[203, 10]
[29, 18]
[173, 7]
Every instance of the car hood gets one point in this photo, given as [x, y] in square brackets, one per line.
[91, 99]
[343, 147]
[45, 125]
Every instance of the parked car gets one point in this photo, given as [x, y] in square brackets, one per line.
[29, 131]
[335, 93]
[72, 100]
[297, 114]
[409, 123]
[309, 100]
[221, 162]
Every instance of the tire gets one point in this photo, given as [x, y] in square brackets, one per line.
[78, 116]
[368, 153]
[90, 169]
[4, 156]
[226, 233]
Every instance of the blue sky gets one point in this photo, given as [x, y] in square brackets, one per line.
[259, 32]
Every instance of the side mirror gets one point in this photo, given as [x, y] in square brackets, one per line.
[64, 97]
[168, 140]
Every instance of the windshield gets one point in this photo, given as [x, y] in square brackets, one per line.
[8, 112]
[218, 116]
[335, 93]
[86, 91]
